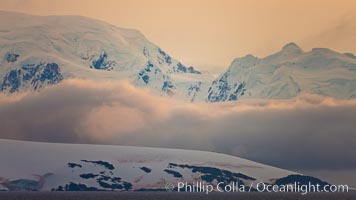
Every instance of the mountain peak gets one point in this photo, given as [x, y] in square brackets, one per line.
[250, 57]
[291, 47]
[244, 62]
[351, 55]
[322, 50]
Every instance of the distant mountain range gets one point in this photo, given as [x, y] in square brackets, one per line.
[37, 51]
[33, 166]
[286, 74]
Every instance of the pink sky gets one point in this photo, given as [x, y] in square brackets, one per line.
[210, 33]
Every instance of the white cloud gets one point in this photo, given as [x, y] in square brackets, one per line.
[307, 133]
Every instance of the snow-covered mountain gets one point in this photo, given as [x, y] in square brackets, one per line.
[36, 51]
[73, 167]
[286, 74]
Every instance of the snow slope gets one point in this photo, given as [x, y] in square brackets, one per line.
[36, 51]
[286, 74]
[53, 166]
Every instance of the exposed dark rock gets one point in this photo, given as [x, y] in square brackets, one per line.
[73, 165]
[107, 165]
[11, 57]
[102, 62]
[37, 75]
[301, 179]
[88, 176]
[75, 187]
[146, 169]
[22, 185]
[174, 173]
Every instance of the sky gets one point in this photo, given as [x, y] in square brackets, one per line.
[209, 34]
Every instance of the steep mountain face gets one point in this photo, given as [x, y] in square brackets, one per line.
[81, 167]
[38, 51]
[286, 74]
[34, 76]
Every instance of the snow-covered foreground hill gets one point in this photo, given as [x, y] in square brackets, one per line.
[53, 166]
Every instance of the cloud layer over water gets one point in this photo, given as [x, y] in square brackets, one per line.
[307, 133]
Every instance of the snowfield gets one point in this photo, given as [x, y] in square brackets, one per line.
[73, 167]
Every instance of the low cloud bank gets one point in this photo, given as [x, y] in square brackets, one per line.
[307, 133]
